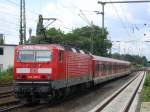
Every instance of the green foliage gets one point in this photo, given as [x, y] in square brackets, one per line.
[134, 59]
[147, 81]
[146, 89]
[6, 76]
[80, 38]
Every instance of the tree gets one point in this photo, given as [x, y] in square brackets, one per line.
[134, 59]
[81, 38]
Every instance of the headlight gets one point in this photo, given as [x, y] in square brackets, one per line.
[45, 70]
[22, 70]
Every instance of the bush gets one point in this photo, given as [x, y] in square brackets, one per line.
[6, 76]
[146, 89]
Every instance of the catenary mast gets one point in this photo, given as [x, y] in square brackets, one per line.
[22, 22]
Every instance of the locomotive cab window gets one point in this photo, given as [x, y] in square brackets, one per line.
[43, 56]
[1, 51]
[60, 56]
[26, 55]
[34, 56]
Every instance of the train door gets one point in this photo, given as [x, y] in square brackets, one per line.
[67, 55]
[61, 74]
[111, 64]
[109, 68]
[104, 69]
[97, 68]
[100, 69]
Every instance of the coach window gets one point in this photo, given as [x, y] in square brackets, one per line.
[1, 51]
[104, 67]
[110, 66]
[100, 67]
[97, 67]
[60, 56]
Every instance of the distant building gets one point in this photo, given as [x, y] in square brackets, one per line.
[6, 56]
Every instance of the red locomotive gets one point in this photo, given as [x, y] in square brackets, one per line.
[47, 71]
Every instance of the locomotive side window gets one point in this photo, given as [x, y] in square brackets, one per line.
[60, 56]
[1, 51]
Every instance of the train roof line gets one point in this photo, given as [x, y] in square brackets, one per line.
[70, 48]
[109, 59]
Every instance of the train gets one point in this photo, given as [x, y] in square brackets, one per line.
[50, 71]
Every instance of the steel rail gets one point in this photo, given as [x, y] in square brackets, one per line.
[5, 84]
[7, 109]
[6, 94]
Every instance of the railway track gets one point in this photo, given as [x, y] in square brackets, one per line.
[122, 99]
[16, 106]
[6, 94]
[5, 85]
[7, 100]
[5, 90]
[6, 107]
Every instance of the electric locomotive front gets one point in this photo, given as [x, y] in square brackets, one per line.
[35, 66]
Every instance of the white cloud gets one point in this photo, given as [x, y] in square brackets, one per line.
[68, 11]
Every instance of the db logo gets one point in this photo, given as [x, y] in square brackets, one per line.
[33, 70]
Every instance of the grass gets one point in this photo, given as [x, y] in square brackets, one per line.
[146, 89]
[6, 76]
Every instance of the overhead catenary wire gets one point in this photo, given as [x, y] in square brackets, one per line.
[124, 26]
[80, 14]
[13, 24]
[133, 25]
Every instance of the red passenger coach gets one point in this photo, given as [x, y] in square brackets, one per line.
[40, 71]
[108, 68]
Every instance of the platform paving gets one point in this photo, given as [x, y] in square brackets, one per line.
[121, 101]
[145, 107]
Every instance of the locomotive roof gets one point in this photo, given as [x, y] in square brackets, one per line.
[46, 46]
[109, 59]
[38, 46]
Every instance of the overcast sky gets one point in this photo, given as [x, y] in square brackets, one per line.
[127, 23]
